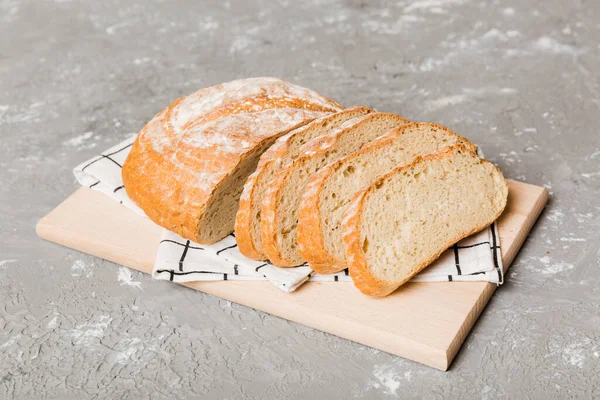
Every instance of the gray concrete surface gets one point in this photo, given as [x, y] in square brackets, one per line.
[520, 78]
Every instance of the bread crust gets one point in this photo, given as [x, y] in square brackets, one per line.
[271, 159]
[358, 267]
[182, 156]
[311, 244]
[269, 210]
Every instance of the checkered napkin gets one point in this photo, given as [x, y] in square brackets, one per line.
[476, 258]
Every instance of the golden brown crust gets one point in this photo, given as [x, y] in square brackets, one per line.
[272, 159]
[186, 151]
[358, 267]
[311, 243]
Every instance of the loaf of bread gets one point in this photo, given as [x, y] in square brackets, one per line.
[285, 150]
[188, 165]
[404, 220]
[279, 210]
[330, 191]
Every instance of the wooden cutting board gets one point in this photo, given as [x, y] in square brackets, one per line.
[424, 322]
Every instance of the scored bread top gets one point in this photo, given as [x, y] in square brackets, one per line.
[404, 220]
[284, 151]
[280, 205]
[331, 189]
[183, 154]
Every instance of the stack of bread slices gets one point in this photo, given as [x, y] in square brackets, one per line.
[301, 179]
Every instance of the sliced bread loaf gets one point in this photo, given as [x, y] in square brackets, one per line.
[279, 209]
[188, 165]
[404, 220]
[284, 151]
[330, 191]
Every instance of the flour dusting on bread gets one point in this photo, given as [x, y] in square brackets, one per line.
[188, 165]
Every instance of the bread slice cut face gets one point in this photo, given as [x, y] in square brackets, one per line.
[279, 209]
[284, 151]
[331, 189]
[404, 220]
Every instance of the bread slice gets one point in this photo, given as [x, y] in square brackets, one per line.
[285, 150]
[330, 191]
[188, 165]
[407, 218]
[281, 200]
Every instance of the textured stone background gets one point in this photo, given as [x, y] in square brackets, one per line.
[520, 78]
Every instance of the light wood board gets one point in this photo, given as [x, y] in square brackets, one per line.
[424, 322]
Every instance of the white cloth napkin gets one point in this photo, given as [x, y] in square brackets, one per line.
[476, 258]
